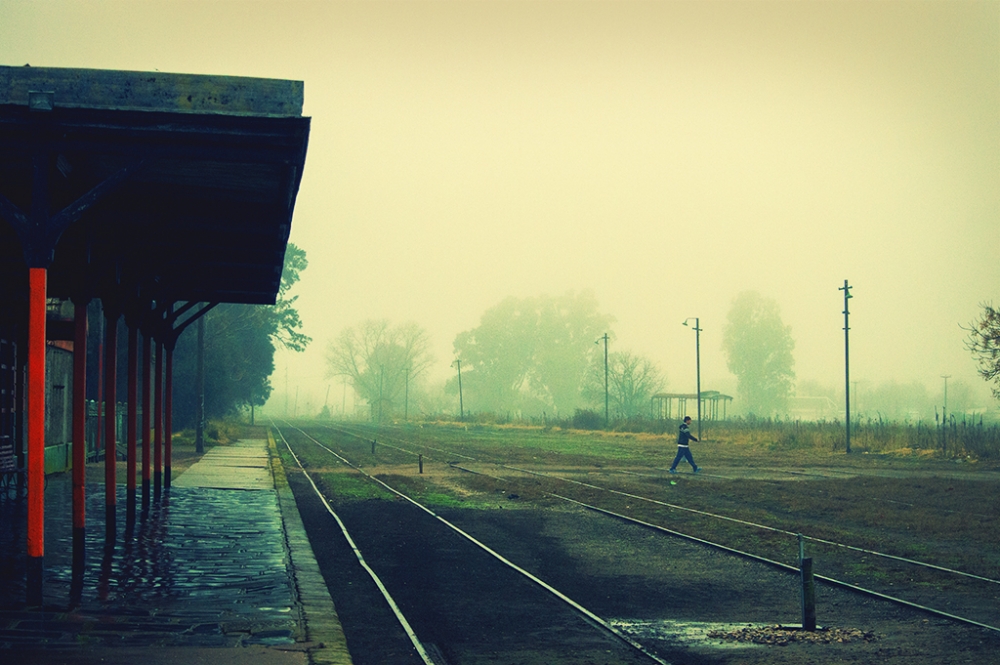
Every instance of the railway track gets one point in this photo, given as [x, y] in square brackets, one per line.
[462, 597]
[981, 590]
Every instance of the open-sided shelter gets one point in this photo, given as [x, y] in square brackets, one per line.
[159, 194]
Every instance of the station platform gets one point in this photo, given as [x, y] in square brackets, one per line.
[219, 571]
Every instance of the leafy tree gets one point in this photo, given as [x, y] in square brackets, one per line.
[984, 343]
[380, 360]
[282, 321]
[531, 353]
[632, 381]
[568, 327]
[239, 359]
[239, 350]
[759, 348]
[498, 355]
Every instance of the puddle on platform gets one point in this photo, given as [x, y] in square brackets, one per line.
[271, 638]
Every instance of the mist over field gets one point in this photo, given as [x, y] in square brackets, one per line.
[661, 157]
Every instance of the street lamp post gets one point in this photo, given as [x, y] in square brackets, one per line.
[847, 366]
[697, 361]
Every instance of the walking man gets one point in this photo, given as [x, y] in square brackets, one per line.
[683, 450]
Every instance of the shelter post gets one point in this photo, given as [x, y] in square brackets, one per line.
[199, 436]
[158, 422]
[110, 420]
[79, 429]
[130, 427]
[147, 349]
[99, 427]
[168, 406]
[37, 280]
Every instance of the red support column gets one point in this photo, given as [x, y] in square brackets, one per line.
[110, 422]
[133, 408]
[79, 427]
[158, 422]
[100, 386]
[37, 278]
[147, 363]
[168, 415]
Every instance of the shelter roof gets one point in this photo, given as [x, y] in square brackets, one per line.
[165, 187]
[705, 395]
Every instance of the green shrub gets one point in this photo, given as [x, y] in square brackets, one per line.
[587, 419]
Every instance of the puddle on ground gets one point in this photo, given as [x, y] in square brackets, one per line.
[685, 633]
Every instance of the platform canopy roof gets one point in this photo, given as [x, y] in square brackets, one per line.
[144, 186]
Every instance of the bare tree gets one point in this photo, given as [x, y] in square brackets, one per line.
[632, 381]
[380, 360]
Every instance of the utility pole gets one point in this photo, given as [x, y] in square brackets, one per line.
[944, 413]
[381, 381]
[461, 404]
[406, 397]
[847, 363]
[606, 409]
[199, 435]
[697, 365]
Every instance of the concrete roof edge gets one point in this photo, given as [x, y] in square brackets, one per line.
[153, 91]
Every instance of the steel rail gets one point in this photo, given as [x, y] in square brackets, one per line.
[756, 557]
[765, 527]
[410, 633]
[605, 625]
[815, 539]
[829, 580]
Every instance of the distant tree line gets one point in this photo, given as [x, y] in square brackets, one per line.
[544, 355]
[527, 356]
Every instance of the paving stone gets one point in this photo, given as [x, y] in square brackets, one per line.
[207, 566]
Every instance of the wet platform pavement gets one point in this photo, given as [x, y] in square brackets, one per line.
[218, 570]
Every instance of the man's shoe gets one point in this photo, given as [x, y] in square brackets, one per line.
[697, 470]
[672, 471]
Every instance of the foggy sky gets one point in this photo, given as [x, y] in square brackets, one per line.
[665, 155]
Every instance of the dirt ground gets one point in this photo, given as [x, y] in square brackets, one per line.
[673, 595]
[682, 601]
